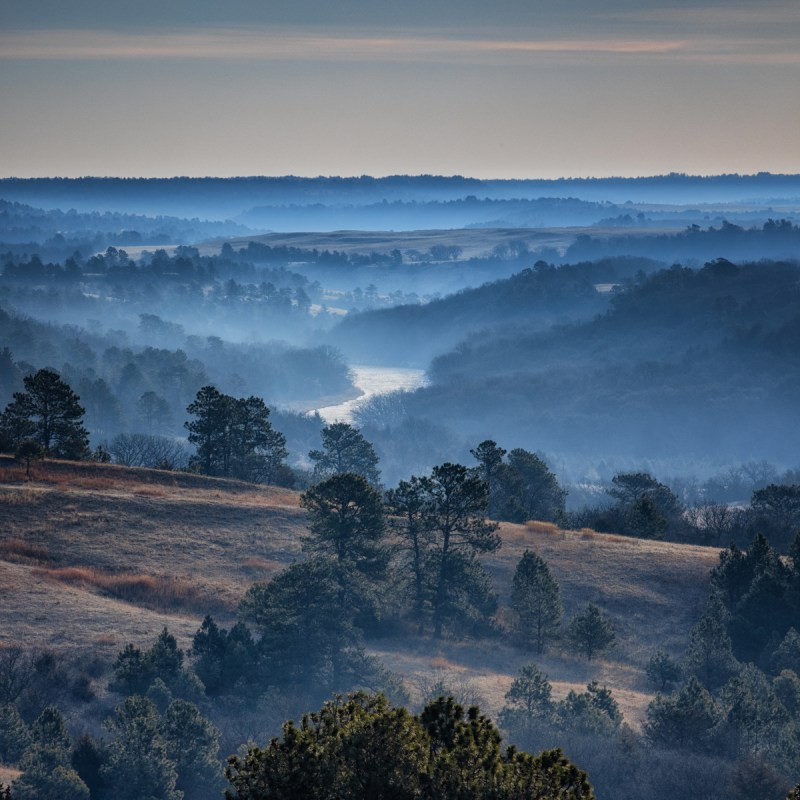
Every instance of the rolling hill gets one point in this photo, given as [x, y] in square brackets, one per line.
[94, 556]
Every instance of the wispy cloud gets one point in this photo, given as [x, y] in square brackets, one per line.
[282, 45]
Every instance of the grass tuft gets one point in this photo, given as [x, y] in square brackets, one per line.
[151, 591]
[19, 497]
[20, 551]
[537, 526]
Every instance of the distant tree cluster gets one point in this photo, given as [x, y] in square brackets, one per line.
[520, 488]
[234, 438]
[168, 754]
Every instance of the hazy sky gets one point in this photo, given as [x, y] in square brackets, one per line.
[515, 88]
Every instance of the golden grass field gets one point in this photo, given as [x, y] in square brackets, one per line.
[94, 556]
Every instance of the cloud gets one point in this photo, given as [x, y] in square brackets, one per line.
[283, 45]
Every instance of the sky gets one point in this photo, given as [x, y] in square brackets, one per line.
[507, 89]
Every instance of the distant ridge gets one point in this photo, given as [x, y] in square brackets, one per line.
[225, 197]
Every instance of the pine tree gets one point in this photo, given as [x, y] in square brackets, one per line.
[529, 701]
[662, 670]
[193, 745]
[47, 412]
[208, 432]
[234, 438]
[687, 719]
[344, 449]
[138, 763]
[360, 747]
[591, 632]
[15, 736]
[407, 505]
[710, 656]
[536, 598]
[456, 518]
[46, 769]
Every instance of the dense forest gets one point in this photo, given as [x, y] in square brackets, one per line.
[682, 366]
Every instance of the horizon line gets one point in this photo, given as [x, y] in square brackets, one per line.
[416, 175]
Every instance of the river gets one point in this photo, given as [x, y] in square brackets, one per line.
[372, 381]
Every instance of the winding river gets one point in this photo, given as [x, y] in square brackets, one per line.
[372, 381]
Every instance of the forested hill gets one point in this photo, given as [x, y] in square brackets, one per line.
[684, 363]
[537, 298]
[227, 196]
[52, 232]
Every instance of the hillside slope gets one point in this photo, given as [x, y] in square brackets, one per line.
[96, 556]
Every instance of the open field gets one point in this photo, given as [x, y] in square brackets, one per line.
[475, 242]
[96, 556]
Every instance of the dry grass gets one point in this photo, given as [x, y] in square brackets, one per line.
[18, 497]
[19, 550]
[538, 526]
[149, 591]
[97, 555]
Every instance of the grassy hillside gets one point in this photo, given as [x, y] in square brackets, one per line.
[94, 556]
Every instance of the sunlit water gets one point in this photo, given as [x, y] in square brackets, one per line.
[372, 381]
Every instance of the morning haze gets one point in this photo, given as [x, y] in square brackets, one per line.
[477, 458]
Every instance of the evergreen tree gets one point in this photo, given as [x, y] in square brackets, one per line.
[48, 412]
[687, 719]
[538, 493]
[407, 507]
[50, 730]
[456, 518]
[347, 526]
[44, 778]
[520, 489]
[536, 598]
[209, 431]
[360, 747]
[257, 449]
[709, 655]
[135, 671]
[648, 508]
[223, 658]
[344, 449]
[192, 743]
[753, 712]
[46, 769]
[138, 764]
[490, 459]
[87, 760]
[645, 519]
[307, 640]
[590, 632]
[787, 654]
[662, 670]
[132, 673]
[594, 711]
[234, 438]
[14, 735]
[346, 522]
[529, 701]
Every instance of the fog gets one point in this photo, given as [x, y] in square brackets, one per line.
[583, 328]
[546, 314]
